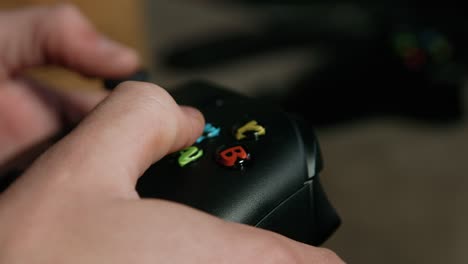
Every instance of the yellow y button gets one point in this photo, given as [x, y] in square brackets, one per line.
[252, 128]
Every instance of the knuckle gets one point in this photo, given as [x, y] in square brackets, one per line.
[146, 93]
[285, 255]
[58, 24]
[328, 256]
[64, 11]
[153, 104]
[278, 252]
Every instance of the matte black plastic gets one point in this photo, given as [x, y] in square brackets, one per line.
[278, 189]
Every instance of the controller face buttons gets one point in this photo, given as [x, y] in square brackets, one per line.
[224, 171]
[250, 128]
[210, 131]
[233, 157]
[419, 49]
[189, 155]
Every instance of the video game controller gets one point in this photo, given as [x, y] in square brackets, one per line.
[254, 164]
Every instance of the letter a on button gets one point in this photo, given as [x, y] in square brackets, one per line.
[189, 155]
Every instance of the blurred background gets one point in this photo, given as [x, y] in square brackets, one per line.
[382, 82]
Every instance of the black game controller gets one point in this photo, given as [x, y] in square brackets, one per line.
[254, 164]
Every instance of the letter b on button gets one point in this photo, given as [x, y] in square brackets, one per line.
[233, 156]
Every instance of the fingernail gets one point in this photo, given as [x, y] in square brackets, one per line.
[118, 51]
[109, 45]
[196, 119]
[194, 113]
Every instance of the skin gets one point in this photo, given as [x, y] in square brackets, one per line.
[77, 203]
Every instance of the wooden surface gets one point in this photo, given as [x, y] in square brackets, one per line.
[121, 20]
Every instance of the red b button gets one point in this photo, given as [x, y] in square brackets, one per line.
[233, 157]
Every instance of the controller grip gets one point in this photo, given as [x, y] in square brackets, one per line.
[307, 215]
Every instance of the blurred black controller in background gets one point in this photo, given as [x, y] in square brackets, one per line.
[381, 58]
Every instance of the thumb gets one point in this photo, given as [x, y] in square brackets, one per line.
[133, 127]
[59, 35]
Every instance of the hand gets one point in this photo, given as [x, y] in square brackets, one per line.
[32, 112]
[77, 202]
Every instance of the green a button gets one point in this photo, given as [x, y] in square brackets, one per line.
[189, 155]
